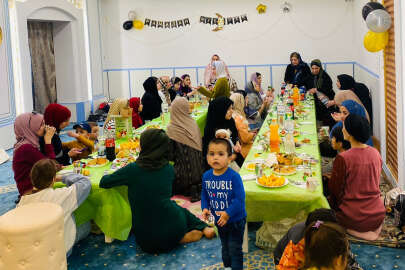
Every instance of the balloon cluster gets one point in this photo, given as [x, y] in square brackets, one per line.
[379, 22]
[133, 22]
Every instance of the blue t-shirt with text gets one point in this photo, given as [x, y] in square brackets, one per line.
[223, 193]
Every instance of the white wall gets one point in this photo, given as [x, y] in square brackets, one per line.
[7, 101]
[316, 28]
[70, 52]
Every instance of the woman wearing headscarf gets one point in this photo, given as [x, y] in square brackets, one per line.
[210, 74]
[297, 72]
[320, 85]
[255, 84]
[355, 183]
[135, 104]
[151, 101]
[175, 89]
[350, 107]
[347, 86]
[158, 223]
[257, 102]
[28, 128]
[221, 88]
[186, 89]
[115, 109]
[185, 150]
[219, 116]
[58, 116]
[245, 136]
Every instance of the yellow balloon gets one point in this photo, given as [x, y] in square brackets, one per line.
[138, 25]
[374, 42]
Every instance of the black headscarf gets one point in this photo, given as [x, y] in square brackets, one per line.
[150, 87]
[216, 120]
[346, 82]
[154, 149]
[297, 74]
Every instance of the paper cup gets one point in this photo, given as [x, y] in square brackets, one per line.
[312, 183]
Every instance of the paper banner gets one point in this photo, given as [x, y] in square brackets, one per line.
[167, 24]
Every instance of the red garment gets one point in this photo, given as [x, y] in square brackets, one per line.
[23, 160]
[355, 189]
[56, 114]
[134, 103]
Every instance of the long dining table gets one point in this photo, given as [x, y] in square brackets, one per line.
[109, 208]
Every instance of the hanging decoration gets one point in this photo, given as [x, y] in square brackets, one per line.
[261, 8]
[166, 24]
[374, 42]
[220, 21]
[138, 25]
[132, 15]
[128, 25]
[378, 21]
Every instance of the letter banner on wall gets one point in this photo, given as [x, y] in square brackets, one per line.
[167, 24]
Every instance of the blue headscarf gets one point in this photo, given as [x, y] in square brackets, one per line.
[354, 108]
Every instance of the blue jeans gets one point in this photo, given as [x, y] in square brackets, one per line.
[231, 236]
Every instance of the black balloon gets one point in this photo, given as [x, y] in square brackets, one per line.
[370, 6]
[128, 25]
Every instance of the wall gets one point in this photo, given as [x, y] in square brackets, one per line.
[7, 99]
[265, 39]
[70, 51]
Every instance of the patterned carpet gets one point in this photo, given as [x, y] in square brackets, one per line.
[93, 253]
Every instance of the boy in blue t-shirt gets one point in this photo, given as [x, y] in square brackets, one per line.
[223, 194]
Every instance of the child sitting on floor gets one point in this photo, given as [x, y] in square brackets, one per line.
[223, 196]
[43, 177]
[326, 246]
[226, 134]
[82, 142]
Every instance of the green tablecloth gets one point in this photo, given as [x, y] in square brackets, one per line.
[274, 204]
[109, 208]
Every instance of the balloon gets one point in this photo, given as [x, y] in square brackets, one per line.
[374, 42]
[128, 25]
[132, 15]
[370, 6]
[378, 21]
[138, 25]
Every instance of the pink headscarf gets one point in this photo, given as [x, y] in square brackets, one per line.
[209, 76]
[26, 126]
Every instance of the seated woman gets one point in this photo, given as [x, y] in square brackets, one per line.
[355, 183]
[135, 104]
[255, 84]
[257, 106]
[220, 117]
[221, 88]
[158, 223]
[186, 89]
[297, 72]
[361, 94]
[185, 150]
[320, 85]
[210, 72]
[346, 82]
[115, 109]
[58, 116]
[245, 136]
[28, 128]
[151, 101]
[349, 107]
[174, 90]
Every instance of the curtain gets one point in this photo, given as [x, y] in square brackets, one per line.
[40, 38]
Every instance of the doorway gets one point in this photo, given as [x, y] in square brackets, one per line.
[41, 45]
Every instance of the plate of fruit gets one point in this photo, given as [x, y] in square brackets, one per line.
[284, 170]
[97, 162]
[272, 181]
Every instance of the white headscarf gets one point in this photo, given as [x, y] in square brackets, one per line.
[220, 69]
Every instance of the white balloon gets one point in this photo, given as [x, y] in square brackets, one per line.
[132, 15]
[379, 21]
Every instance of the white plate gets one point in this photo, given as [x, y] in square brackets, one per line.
[248, 163]
[285, 183]
[65, 172]
[285, 174]
[249, 177]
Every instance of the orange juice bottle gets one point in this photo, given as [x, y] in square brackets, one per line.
[274, 137]
[296, 96]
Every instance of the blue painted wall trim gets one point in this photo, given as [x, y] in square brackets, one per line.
[80, 112]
